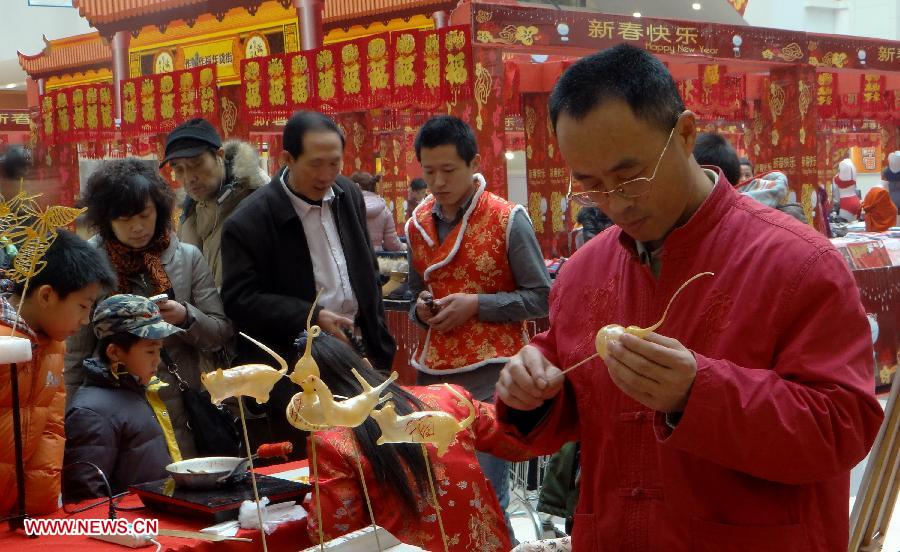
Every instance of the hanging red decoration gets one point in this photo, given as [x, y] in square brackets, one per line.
[871, 94]
[154, 104]
[409, 59]
[77, 113]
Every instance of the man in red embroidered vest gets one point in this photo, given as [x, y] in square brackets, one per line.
[737, 430]
[477, 256]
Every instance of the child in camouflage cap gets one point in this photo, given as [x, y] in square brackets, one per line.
[116, 419]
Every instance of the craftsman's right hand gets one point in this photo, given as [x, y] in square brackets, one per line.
[422, 311]
[528, 379]
[334, 324]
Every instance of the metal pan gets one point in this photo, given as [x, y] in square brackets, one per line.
[208, 473]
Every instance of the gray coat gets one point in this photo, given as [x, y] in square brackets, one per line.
[200, 348]
[110, 424]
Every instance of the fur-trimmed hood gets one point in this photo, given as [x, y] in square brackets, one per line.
[201, 223]
[244, 161]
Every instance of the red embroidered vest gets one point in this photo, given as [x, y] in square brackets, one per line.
[472, 259]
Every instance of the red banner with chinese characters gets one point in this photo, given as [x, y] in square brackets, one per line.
[421, 69]
[850, 107]
[276, 84]
[522, 28]
[787, 135]
[394, 183]
[871, 94]
[486, 116]
[354, 93]
[430, 85]
[827, 98]
[547, 178]
[15, 120]
[77, 113]
[154, 104]
[301, 81]
[407, 48]
[328, 78]
[378, 66]
[359, 153]
[456, 66]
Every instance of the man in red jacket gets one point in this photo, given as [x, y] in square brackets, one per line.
[736, 427]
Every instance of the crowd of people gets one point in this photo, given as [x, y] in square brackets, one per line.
[733, 424]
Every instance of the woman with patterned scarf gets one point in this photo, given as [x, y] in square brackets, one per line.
[130, 206]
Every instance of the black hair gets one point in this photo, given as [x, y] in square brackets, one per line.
[121, 188]
[366, 181]
[712, 148]
[417, 184]
[622, 73]
[335, 359]
[15, 162]
[72, 264]
[302, 122]
[447, 129]
[592, 221]
[745, 161]
[123, 340]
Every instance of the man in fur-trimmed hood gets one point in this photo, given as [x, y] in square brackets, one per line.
[216, 178]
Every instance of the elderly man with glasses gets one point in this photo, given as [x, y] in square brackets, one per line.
[734, 428]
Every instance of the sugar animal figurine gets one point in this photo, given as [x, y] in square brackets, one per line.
[306, 365]
[427, 426]
[248, 380]
[315, 409]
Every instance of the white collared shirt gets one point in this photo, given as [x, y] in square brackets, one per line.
[327, 253]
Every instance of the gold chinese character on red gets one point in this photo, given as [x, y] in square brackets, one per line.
[600, 29]
[631, 31]
[886, 54]
[659, 33]
[686, 35]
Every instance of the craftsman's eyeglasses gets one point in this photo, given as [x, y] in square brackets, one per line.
[630, 189]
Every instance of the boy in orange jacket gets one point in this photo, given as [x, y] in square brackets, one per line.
[58, 302]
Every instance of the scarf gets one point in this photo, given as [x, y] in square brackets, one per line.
[880, 211]
[844, 184]
[130, 262]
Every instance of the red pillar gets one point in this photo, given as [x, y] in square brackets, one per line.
[119, 45]
[440, 19]
[309, 13]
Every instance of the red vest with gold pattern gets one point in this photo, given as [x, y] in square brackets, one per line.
[472, 259]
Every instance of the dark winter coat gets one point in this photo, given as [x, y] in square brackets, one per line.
[268, 283]
[110, 424]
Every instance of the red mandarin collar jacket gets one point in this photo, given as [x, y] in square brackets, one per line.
[781, 409]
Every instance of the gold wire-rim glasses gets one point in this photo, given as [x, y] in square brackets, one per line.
[593, 198]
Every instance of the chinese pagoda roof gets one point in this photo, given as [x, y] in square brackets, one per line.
[109, 16]
[70, 54]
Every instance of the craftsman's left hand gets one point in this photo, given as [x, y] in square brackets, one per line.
[173, 312]
[658, 371]
[455, 310]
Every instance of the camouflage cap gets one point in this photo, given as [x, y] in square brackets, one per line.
[130, 314]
